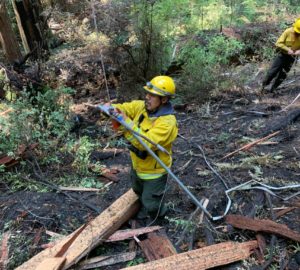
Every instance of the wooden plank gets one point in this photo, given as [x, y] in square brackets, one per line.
[204, 258]
[263, 225]
[157, 246]
[4, 251]
[97, 231]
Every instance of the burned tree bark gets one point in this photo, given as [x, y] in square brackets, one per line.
[31, 26]
[7, 36]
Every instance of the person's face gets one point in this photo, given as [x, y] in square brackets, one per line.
[152, 102]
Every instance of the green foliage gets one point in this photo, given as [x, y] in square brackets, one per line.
[83, 149]
[90, 182]
[204, 65]
[42, 119]
[149, 48]
[181, 223]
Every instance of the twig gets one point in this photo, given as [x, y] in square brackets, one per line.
[6, 111]
[205, 203]
[80, 189]
[184, 166]
[249, 145]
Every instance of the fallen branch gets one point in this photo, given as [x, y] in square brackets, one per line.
[249, 145]
[204, 258]
[263, 225]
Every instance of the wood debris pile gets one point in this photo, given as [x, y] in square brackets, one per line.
[157, 248]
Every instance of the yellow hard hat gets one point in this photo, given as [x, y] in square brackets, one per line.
[297, 26]
[161, 85]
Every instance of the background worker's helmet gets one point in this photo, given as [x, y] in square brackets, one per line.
[162, 86]
[297, 26]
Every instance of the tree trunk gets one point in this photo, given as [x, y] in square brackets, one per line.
[7, 37]
[31, 26]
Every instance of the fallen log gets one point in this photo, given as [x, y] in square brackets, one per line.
[97, 231]
[264, 225]
[279, 124]
[204, 258]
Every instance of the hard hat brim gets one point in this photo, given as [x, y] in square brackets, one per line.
[296, 30]
[152, 91]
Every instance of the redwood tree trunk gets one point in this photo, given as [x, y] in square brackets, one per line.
[7, 37]
[31, 26]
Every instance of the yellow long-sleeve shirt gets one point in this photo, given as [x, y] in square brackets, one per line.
[161, 129]
[288, 40]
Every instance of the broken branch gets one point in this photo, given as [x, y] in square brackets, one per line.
[249, 145]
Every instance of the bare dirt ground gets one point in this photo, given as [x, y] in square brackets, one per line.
[207, 133]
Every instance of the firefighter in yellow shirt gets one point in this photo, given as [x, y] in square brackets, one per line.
[288, 46]
[154, 118]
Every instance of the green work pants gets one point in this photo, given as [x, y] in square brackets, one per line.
[150, 193]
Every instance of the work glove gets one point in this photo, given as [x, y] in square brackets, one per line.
[120, 116]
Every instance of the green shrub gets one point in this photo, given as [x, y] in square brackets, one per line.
[205, 66]
[43, 119]
[83, 149]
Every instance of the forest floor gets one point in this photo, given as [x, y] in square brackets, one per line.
[206, 134]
